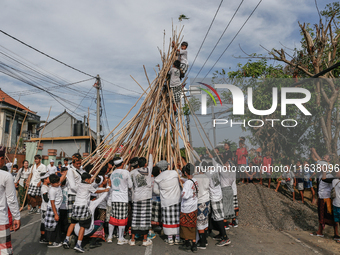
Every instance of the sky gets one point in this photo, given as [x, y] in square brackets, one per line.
[116, 38]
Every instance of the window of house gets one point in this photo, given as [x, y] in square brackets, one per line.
[7, 125]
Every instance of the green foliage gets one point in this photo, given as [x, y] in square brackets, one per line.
[195, 104]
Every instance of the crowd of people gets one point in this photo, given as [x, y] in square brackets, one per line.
[139, 198]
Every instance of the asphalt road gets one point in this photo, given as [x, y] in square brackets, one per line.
[244, 240]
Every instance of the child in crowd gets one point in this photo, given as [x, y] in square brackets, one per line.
[44, 195]
[287, 178]
[52, 225]
[80, 212]
[63, 210]
[188, 215]
[175, 82]
[182, 54]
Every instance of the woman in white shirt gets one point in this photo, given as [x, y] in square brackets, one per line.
[20, 182]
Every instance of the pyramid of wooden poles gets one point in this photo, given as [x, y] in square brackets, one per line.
[154, 127]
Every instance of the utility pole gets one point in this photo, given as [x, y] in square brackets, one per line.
[214, 128]
[98, 86]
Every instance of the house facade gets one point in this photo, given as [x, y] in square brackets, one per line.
[65, 135]
[12, 115]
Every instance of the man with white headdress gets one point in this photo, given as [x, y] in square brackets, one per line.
[120, 183]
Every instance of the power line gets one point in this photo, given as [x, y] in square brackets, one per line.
[233, 39]
[219, 39]
[205, 37]
[121, 87]
[45, 54]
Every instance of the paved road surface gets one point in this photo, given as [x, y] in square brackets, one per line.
[245, 240]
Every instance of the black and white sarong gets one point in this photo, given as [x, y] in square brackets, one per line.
[50, 222]
[33, 190]
[141, 217]
[70, 202]
[203, 210]
[156, 216]
[228, 203]
[217, 210]
[81, 213]
[119, 214]
[170, 219]
[177, 91]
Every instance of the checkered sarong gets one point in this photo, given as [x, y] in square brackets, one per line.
[156, 215]
[33, 190]
[50, 223]
[119, 213]
[42, 216]
[141, 215]
[177, 91]
[81, 213]
[5, 240]
[228, 203]
[203, 210]
[70, 202]
[235, 202]
[217, 210]
[170, 219]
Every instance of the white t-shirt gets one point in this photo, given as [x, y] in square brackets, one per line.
[324, 187]
[227, 178]
[44, 190]
[336, 186]
[84, 194]
[73, 179]
[142, 183]
[189, 197]
[102, 204]
[121, 183]
[56, 194]
[167, 185]
[175, 75]
[203, 192]
[215, 186]
[51, 169]
[183, 56]
[36, 173]
[64, 203]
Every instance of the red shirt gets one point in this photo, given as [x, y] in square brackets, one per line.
[257, 160]
[266, 163]
[241, 156]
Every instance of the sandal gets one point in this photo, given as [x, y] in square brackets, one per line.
[336, 238]
[316, 234]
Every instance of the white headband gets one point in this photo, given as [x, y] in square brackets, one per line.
[118, 161]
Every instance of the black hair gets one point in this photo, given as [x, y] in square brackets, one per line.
[59, 162]
[54, 178]
[15, 166]
[141, 161]
[177, 64]
[185, 44]
[63, 169]
[188, 169]
[88, 168]
[76, 157]
[23, 162]
[63, 183]
[37, 156]
[156, 171]
[134, 162]
[85, 176]
[4, 168]
[117, 158]
[65, 159]
[111, 162]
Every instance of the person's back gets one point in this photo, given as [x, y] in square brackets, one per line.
[203, 184]
[169, 187]
[120, 182]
